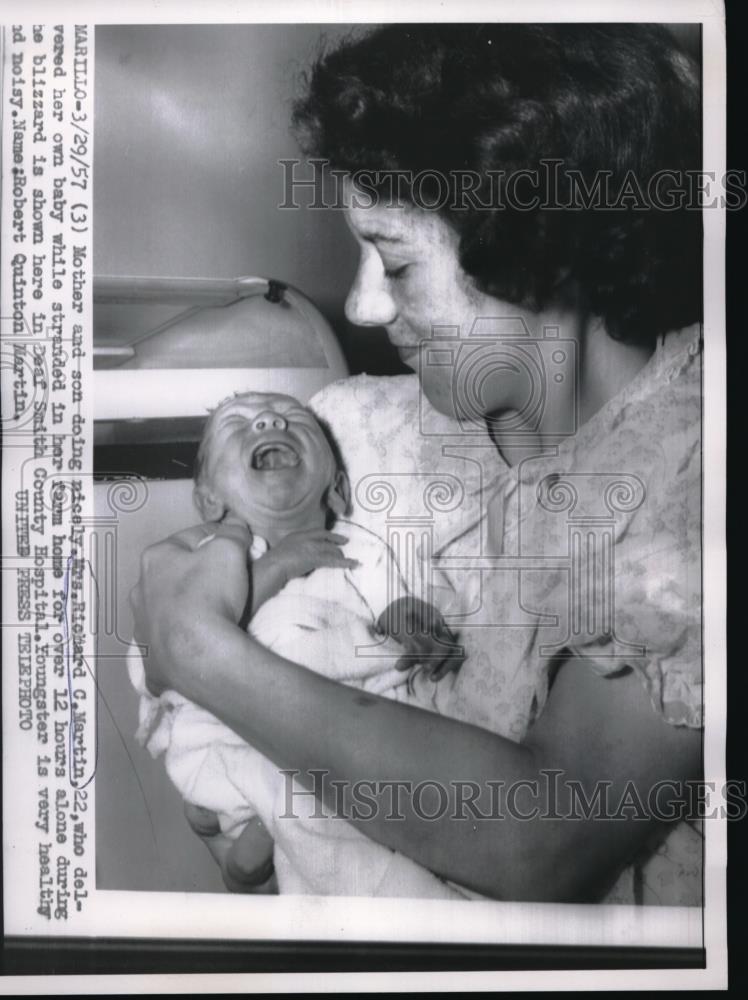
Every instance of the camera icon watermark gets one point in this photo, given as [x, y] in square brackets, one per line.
[498, 352]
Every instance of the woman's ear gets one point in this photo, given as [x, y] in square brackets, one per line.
[211, 508]
[339, 495]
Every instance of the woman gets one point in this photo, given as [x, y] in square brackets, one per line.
[604, 704]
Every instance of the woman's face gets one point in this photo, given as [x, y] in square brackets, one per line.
[409, 281]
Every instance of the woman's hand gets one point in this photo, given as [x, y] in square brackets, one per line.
[187, 582]
[594, 732]
[429, 643]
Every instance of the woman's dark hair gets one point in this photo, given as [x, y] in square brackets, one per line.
[496, 99]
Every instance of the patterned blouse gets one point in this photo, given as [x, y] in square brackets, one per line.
[592, 546]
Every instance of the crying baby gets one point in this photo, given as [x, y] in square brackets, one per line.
[326, 593]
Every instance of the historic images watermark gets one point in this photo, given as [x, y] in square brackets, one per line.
[551, 796]
[552, 186]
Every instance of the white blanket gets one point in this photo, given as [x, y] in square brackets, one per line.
[322, 621]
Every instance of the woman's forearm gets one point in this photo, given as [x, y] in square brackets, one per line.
[266, 580]
[306, 723]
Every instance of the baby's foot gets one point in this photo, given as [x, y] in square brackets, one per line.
[249, 860]
[203, 821]
[246, 863]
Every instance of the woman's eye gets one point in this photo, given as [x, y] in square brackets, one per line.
[395, 272]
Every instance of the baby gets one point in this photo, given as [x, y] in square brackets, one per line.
[335, 602]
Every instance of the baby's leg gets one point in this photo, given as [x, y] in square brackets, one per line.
[246, 862]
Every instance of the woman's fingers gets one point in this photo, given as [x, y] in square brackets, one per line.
[406, 662]
[435, 669]
[449, 665]
[437, 655]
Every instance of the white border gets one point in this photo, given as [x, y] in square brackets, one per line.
[365, 11]
[320, 11]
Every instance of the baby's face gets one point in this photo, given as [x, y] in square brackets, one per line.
[265, 455]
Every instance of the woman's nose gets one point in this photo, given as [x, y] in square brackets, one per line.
[268, 420]
[368, 302]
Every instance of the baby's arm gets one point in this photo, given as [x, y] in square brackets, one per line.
[295, 555]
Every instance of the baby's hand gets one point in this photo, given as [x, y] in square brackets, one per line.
[421, 630]
[295, 555]
[303, 551]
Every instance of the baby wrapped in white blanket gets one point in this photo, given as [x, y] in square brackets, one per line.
[340, 608]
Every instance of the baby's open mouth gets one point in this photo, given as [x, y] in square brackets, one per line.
[274, 455]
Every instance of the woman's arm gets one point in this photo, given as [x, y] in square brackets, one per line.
[601, 733]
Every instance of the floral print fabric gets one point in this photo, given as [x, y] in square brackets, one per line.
[591, 546]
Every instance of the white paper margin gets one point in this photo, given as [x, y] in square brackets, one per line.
[228, 910]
